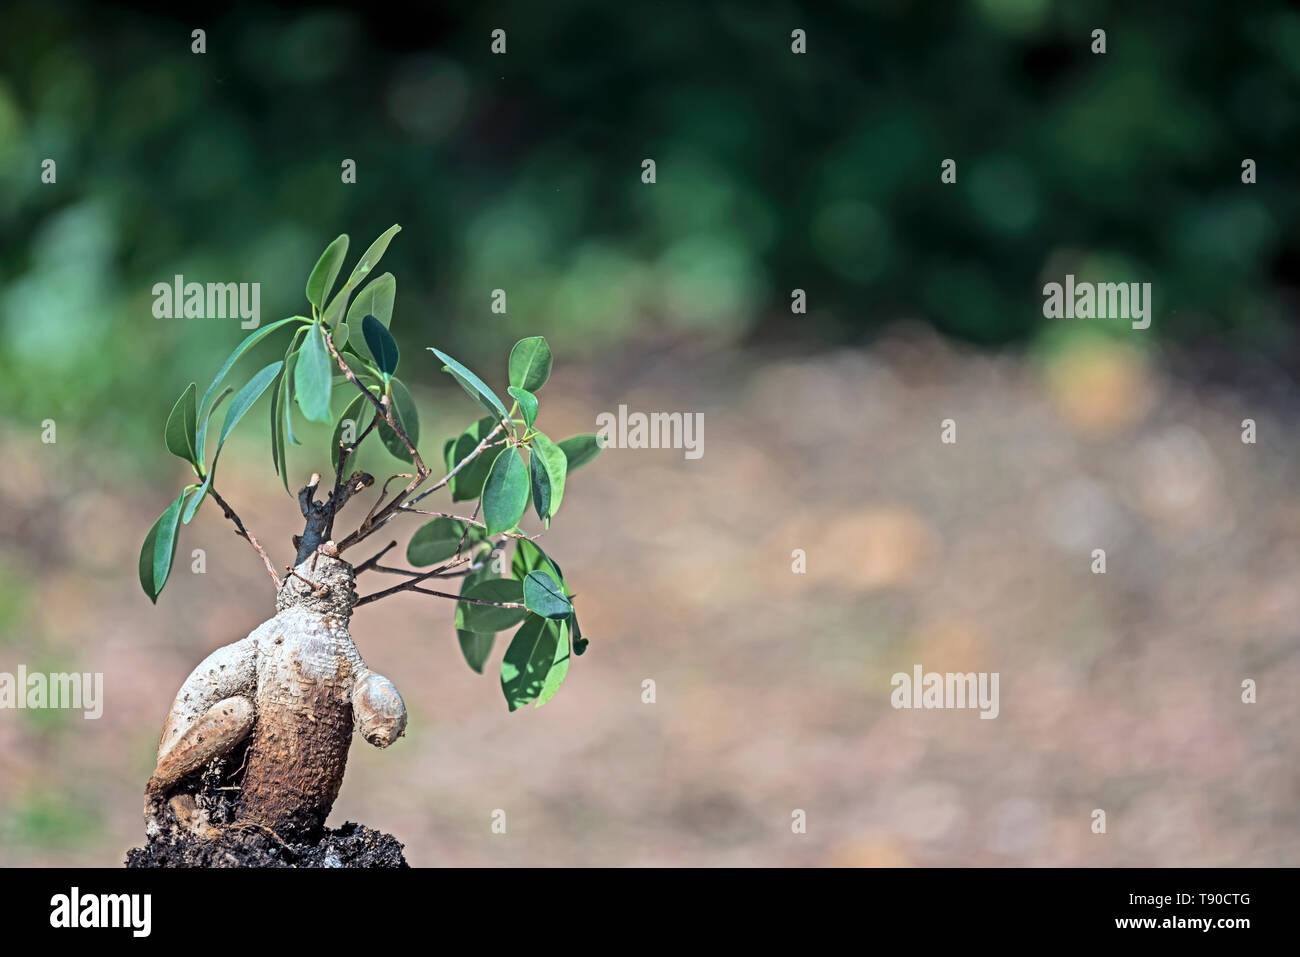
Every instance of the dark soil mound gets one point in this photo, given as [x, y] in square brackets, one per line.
[216, 791]
[351, 845]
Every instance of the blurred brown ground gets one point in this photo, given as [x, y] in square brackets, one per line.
[1119, 692]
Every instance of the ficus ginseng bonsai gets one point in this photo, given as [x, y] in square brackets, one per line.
[296, 688]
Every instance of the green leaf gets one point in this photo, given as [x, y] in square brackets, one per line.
[408, 417]
[436, 541]
[159, 548]
[559, 664]
[505, 493]
[278, 438]
[475, 645]
[579, 643]
[286, 385]
[467, 484]
[541, 486]
[353, 412]
[243, 401]
[182, 425]
[376, 299]
[194, 505]
[251, 340]
[215, 405]
[472, 384]
[529, 557]
[282, 407]
[528, 661]
[527, 404]
[381, 344]
[530, 363]
[340, 336]
[369, 259]
[312, 378]
[549, 469]
[326, 270]
[472, 617]
[543, 596]
[580, 449]
[239, 405]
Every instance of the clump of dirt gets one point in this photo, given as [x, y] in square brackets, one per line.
[216, 790]
[352, 845]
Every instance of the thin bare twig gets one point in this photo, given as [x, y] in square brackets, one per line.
[344, 454]
[465, 534]
[425, 511]
[383, 493]
[245, 533]
[411, 583]
[408, 571]
[461, 464]
[370, 562]
[472, 601]
[384, 408]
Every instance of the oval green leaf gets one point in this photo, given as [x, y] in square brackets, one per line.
[278, 438]
[435, 541]
[580, 449]
[159, 548]
[381, 344]
[527, 404]
[354, 412]
[474, 617]
[541, 486]
[505, 493]
[475, 646]
[322, 277]
[369, 259]
[182, 425]
[249, 341]
[312, 378]
[549, 470]
[529, 557]
[528, 661]
[408, 417]
[474, 387]
[530, 363]
[467, 484]
[239, 405]
[579, 643]
[375, 299]
[543, 596]
[559, 664]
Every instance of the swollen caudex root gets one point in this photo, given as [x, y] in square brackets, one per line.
[378, 710]
[299, 687]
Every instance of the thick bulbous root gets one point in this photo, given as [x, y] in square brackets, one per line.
[378, 711]
[219, 729]
[299, 687]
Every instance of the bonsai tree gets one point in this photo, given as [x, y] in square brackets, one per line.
[295, 689]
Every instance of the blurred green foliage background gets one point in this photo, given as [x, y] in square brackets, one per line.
[522, 172]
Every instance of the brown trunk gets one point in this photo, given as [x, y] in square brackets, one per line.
[304, 728]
